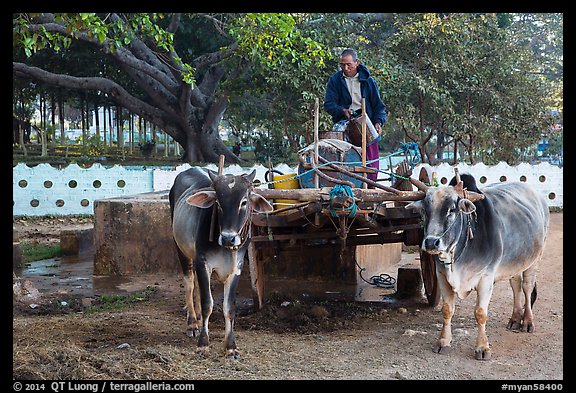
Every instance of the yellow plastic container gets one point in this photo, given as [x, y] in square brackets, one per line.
[288, 184]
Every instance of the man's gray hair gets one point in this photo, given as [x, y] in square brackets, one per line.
[350, 52]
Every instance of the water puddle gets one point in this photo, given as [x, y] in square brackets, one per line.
[74, 275]
[69, 274]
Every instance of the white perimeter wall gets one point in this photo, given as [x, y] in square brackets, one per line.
[45, 190]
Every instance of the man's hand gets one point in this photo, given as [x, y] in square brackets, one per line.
[347, 113]
[378, 128]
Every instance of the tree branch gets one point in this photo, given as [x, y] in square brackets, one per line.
[211, 79]
[214, 57]
[115, 91]
[215, 113]
[141, 51]
[219, 24]
[174, 23]
[153, 57]
[161, 97]
[121, 54]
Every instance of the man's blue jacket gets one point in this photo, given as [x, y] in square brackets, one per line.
[338, 97]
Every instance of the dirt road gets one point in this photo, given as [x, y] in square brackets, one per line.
[291, 338]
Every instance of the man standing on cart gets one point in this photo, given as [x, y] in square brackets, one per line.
[344, 94]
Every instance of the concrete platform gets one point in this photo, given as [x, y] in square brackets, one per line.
[16, 254]
[76, 241]
[133, 234]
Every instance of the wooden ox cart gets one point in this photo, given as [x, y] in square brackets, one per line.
[322, 217]
[334, 207]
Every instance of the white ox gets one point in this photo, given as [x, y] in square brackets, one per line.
[477, 238]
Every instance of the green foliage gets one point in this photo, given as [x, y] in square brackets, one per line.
[94, 146]
[277, 149]
[289, 71]
[274, 40]
[115, 302]
[463, 75]
[34, 251]
[116, 33]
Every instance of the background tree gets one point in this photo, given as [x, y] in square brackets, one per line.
[22, 111]
[459, 80]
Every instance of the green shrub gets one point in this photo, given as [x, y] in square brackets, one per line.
[34, 251]
[115, 302]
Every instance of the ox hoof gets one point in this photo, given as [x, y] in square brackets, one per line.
[233, 354]
[192, 332]
[482, 354]
[514, 325]
[529, 328]
[443, 349]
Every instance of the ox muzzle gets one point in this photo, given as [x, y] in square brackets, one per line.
[230, 240]
[432, 244]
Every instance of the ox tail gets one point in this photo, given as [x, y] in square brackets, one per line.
[533, 296]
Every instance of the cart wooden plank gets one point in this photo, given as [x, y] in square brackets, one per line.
[323, 194]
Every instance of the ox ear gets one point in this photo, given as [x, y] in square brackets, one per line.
[466, 206]
[260, 203]
[202, 199]
[416, 206]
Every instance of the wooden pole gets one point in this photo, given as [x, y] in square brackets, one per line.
[457, 174]
[364, 185]
[316, 172]
[316, 108]
[213, 221]
[323, 194]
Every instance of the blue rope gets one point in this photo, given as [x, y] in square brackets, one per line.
[410, 148]
[343, 190]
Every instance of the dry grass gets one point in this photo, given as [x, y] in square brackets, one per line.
[84, 345]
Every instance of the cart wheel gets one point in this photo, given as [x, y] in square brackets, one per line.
[428, 268]
[427, 263]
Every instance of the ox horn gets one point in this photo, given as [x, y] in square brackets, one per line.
[471, 195]
[421, 186]
[417, 182]
[463, 192]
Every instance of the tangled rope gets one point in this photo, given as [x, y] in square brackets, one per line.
[343, 190]
[383, 280]
[409, 149]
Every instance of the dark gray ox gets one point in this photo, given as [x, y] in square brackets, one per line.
[474, 244]
[192, 199]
